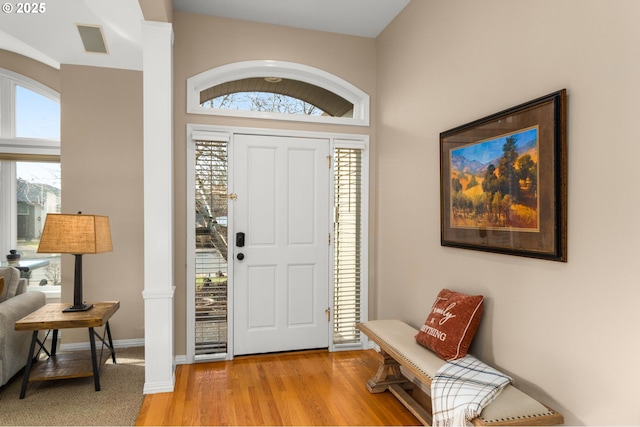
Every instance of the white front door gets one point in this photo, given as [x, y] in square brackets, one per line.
[281, 284]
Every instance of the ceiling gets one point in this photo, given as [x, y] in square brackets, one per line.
[365, 18]
[52, 37]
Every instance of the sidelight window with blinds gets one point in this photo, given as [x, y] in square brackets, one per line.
[348, 245]
[211, 266]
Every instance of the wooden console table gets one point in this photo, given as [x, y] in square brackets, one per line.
[72, 364]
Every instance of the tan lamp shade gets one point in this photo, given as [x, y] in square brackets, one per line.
[75, 234]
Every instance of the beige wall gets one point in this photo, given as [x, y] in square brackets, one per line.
[568, 333]
[205, 42]
[101, 158]
[159, 11]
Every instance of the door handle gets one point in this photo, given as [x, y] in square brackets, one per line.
[240, 256]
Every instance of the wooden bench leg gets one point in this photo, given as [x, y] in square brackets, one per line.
[388, 374]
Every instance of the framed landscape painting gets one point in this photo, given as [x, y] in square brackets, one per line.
[503, 181]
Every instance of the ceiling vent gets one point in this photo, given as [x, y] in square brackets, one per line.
[92, 38]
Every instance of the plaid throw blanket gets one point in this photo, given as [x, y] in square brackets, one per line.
[462, 388]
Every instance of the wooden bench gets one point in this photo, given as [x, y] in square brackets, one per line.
[398, 348]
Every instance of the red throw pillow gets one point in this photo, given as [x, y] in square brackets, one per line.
[451, 324]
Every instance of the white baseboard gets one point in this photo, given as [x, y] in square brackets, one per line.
[159, 387]
[180, 359]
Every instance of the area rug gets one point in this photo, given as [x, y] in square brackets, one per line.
[74, 402]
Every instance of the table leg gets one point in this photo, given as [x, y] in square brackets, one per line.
[54, 342]
[113, 350]
[94, 360]
[27, 369]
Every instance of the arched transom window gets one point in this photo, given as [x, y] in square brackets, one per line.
[277, 90]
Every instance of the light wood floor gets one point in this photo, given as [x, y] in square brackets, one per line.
[288, 389]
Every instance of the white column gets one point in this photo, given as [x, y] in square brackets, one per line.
[158, 206]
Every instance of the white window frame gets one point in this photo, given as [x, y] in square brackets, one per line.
[204, 133]
[9, 142]
[285, 70]
[15, 147]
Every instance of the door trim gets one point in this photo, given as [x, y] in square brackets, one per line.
[196, 131]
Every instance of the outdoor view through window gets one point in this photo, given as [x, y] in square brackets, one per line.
[38, 193]
[35, 184]
[275, 95]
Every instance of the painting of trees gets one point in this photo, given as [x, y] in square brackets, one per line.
[494, 183]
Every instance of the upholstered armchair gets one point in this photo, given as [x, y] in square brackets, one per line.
[15, 303]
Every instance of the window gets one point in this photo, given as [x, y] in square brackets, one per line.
[268, 89]
[276, 95]
[38, 194]
[211, 266]
[348, 248]
[30, 185]
[36, 115]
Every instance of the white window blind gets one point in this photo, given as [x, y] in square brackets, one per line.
[211, 247]
[347, 244]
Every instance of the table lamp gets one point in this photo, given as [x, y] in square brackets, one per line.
[76, 234]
